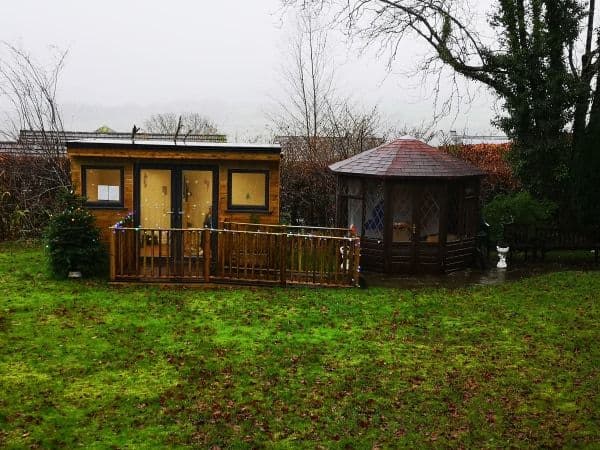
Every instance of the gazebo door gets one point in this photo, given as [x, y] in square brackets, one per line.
[403, 250]
[415, 228]
[426, 236]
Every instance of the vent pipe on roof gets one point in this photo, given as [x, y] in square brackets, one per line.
[177, 131]
[186, 135]
[134, 131]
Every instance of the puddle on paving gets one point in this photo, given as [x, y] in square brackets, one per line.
[470, 277]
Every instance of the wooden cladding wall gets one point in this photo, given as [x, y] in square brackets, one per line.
[460, 255]
[420, 257]
[372, 255]
[223, 160]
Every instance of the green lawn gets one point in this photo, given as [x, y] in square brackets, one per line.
[84, 364]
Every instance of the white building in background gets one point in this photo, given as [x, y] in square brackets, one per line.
[464, 139]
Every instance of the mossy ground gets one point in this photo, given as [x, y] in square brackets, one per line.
[85, 364]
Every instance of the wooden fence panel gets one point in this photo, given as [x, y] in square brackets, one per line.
[244, 254]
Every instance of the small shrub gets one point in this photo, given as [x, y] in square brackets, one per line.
[73, 240]
[520, 208]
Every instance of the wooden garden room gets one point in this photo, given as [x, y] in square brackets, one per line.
[415, 208]
[202, 212]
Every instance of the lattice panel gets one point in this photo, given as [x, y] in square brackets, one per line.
[374, 210]
[402, 205]
[429, 210]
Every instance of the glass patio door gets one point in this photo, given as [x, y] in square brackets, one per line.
[155, 198]
[156, 210]
[175, 198]
[196, 200]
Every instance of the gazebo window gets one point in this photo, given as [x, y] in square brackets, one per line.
[454, 216]
[374, 210]
[351, 196]
[354, 187]
[355, 207]
[430, 215]
[470, 211]
[402, 213]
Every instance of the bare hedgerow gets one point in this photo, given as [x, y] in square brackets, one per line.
[34, 171]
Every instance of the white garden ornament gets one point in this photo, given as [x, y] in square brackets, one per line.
[502, 252]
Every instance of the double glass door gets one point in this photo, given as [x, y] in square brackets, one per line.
[180, 198]
[176, 198]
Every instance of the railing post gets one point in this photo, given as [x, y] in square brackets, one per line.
[356, 268]
[283, 258]
[112, 255]
[221, 236]
[206, 254]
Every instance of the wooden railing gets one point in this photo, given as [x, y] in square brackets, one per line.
[235, 255]
[160, 254]
[287, 229]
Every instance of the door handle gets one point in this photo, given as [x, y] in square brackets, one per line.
[414, 229]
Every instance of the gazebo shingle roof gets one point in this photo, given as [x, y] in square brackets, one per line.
[406, 157]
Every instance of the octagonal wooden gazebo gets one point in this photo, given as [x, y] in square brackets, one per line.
[416, 208]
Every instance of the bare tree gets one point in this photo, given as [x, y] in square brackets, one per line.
[30, 88]
[319, 123]
[191, 123]
[307, 79]
[316, 126]
[37, 169]
[352, 129]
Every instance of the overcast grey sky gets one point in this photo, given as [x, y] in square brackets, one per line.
[129, 59]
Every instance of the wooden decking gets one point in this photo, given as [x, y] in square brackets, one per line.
[236, 253]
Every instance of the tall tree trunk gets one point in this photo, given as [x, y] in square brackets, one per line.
[585, 78]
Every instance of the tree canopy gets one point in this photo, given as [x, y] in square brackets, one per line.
[192, 123]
